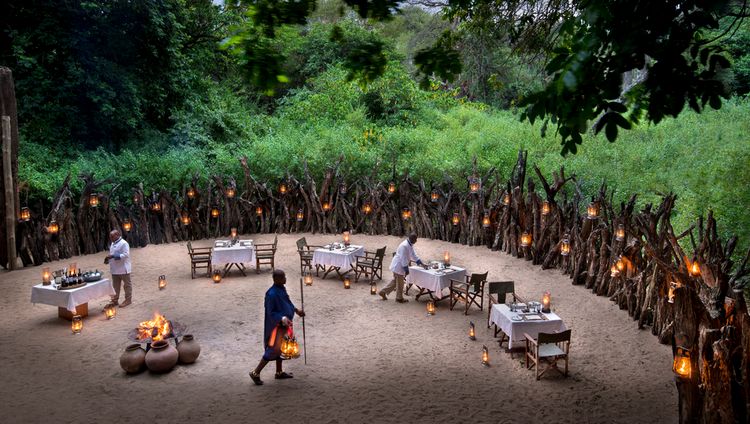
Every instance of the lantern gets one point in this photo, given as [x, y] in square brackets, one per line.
[613, 271]
[434, 196]
[367, 208]
[289, 347]
[565, 247]
[259, 211]
[216, 276]
[127, 225]
[486, 220]
[525, 239]
[185, 218]
[430, 307]
[546, 302]
[326, 206]
[373, 289]
[215, 212]
[76, 324]
[391, 187]
[342, 189]
[620, 233]
[93, 200]
[25, 214]
[472, 332]
[456, 218]
[300, 215]
[156, 207]
[621, 265]
[485, 356]
[670, 294]
[53, 228]
[694, 269]
[162, 282]
[347, 283]
[72, 268]
[346, 238]
[46, 276]
[308, 279]
[474, 185]
[282, 188]
[447, 258]
[682, 365]
[110, 311]
[233, 233]
[506, 199]
[545, 208]
[406, 214]
[191, 193]
[230, 192]
[136, 198]
[592, 210]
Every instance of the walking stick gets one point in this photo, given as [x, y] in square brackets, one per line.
[304, 340]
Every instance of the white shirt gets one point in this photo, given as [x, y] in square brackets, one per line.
[404, 254]
[119, 249]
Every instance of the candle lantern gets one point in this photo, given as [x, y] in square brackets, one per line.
[506, 199]
[215, 212]
[430, 307]
[282, 188]
[525, 239]
[682, 365]
[72, 268]
[300, 215]
[620, 233]
[162, 282]
[406, 214]
[620, 263]
[110, 311]
[46, 276]
[259, 211]
[308, 279]
[77, 324]
[326, 206]
[25, 214]
[185, 218]
[367, 208]
[216, 276]
[233, 233]
[565, 247]
[230, 192]
[434, 196]
[191, 193]
[373, 289]
[485, 356]
[592, 210]
[613, 271]
[136, 198]
[694, 269]
[347, 283]
[474, 185]
[447, 258]
[456, 218]
[346, 238]
[127, 225]
[472, 331]
[342, 189]
[94, 200]
[53, 228]
[391, 187]
[486, 220]
[546, 302]
[546, 208]
[670, 294]
[156, 206]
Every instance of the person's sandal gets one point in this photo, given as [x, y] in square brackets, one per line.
[402, 300]
[282, 375]
[256, 378]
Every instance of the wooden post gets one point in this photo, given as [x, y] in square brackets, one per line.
[10, 197]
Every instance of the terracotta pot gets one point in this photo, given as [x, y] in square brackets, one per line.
[189, 349]
[162, 357]
[133, 360]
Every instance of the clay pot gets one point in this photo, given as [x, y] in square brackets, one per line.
[133, 360]
[189, 349]
[162, 357]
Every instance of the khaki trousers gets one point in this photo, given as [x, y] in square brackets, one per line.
[397, 283]
[123, 279]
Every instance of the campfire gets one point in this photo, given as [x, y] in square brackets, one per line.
[155, 329]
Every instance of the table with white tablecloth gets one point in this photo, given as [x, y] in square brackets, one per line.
[72, 299]
[515, 324]
[432, 282]
[337, 259]
[236, 255]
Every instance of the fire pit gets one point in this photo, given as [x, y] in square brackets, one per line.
[158, 328]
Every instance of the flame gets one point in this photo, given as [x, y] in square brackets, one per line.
[155, 329]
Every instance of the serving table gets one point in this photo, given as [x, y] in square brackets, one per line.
[233, 255]
[432, 282]
[74, 301]
[516, 323]
[334, 259]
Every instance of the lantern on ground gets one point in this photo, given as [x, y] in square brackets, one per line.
[456, 218]
[110, 311]
[391, 187]
[282, 188]
[300, 215]
[93, 200]
[347, 283]
[156, 206]
[342, 189]
[367, 208]
[546, 208]
[259, 211]
[620, 233]
[53, 228]
[216, 276]
[565, 247]
[308, 279]
[474, 185]
[430, 307]
[215, 212]
[347, 237]
[162, 282]
[434, 196]
[592, 210]
[546, 302]
[525, 239]
[46, 276]
[191, 193]
[694, 269]
[25, 214]
[185, 218]
[472, 331]
[76, 324]
[326, 206]
[373, 289]
[447, 258]
[682, 366]
[230, 192]
[406, 214]
[506, 199]
[485, 356]
[127, 225]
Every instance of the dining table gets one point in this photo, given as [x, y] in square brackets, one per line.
[433, 282]
[337, 257]
[71, 302]
[516, 322]
[231, 255]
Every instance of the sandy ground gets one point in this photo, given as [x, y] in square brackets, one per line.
[368, 360]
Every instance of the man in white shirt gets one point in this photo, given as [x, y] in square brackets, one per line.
[400, 268]
[119, 265]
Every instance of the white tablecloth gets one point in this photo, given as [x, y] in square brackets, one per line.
[69, 299]
[340, 258]
[233, 255]
[503, 318]
[434, 281]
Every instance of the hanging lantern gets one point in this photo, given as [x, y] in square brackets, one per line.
[46, 276]
[546, 302]
[434, 196]
[282, 188]
[185, 218]
[670, 294]
[621, 265]
[25, 214]
[110, 311]
[694, 269]
[391, 187]
[472, 331]
[565, 247]
[406, 214]
[613, 271]
[215, 212]
[300, 215]
[76, 324]
[474, 185]
[485, 356]
[93, 200]
[289, 347]
[456, 218]
[447, 258]
[430, 307]
[308, 279]
[373, 289]
[191, 193]
[486, 220]
[592, 210]
[620, 233]
[546, 208]
[259, 211]
[156, 207]
[342, 189]
[136, 198]
[347, 283]
[346, 238]
[127, 225]
[525, 239]
[216, 276]
[367, 208]
[230, 192]
[162, 282]
[682, 365]
[326, 206]
[506, 199]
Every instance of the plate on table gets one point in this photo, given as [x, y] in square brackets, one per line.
[516, 318]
